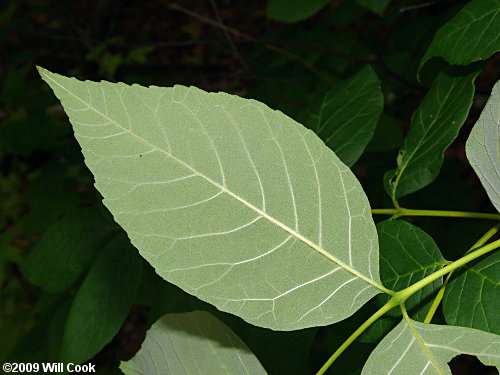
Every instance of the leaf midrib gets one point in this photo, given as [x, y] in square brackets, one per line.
[230, 193]
[422, 343]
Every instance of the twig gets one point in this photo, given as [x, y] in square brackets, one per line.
[241, 35]
[228, 36]
[417, 6]
[209, 21]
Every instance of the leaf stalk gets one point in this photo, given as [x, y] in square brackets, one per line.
[400, 297]
[399, 212]
[440, 294]
[404, 294]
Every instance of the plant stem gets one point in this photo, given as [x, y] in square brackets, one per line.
[372, 319]
[404, 294]
[437, 300]
[485, 237]
[398, 212]
[440, 294]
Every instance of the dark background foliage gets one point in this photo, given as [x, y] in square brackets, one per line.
[226, 45]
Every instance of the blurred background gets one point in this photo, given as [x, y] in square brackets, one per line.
[286, 59]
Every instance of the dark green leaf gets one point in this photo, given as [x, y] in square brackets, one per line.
[55, 330]
[293, 10]
[407, 255]
[472, 35]
[388, 135]
[102, 302]
[348, 115]
[66, 250]
[377, 6]
[472, 297]
[49, 197]
[434, 125]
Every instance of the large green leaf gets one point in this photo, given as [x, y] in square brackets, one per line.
[377, 6]
[103, 301]
[483, 147]
[347, 117]
[472, 296]
[232, 201]
[471, 35]
[418, 348]
[293, 10]
[434, 125]
[194, 343]
[66, 250]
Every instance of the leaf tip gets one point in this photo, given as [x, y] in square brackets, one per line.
[42, 71]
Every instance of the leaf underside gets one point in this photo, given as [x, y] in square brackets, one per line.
[232, 201]
[483, 147]
[417, 348]
[194, 343]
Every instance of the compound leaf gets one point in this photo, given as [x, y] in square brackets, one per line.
[471, 35]
[418, 348]
[192, 343]
[103, 301]
[434, 125]
[231, 201]
[471, 298]
[348, 115]
[293, 10]
[483, 147]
